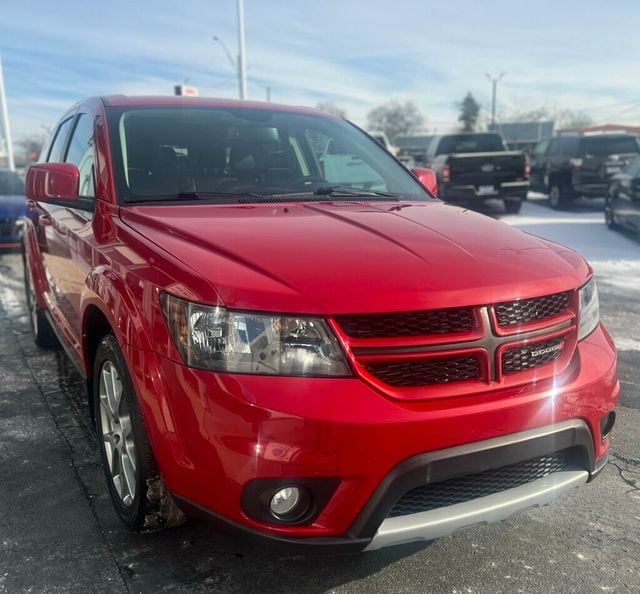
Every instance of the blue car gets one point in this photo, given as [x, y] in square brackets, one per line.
[12, 209]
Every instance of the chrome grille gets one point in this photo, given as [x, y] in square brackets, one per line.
[481, 484]
[531, 355]
[410, 323]
[407, 374]
[531, 310]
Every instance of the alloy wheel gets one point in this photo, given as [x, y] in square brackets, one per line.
[117, 434]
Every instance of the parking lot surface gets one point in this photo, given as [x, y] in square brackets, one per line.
[58, 531]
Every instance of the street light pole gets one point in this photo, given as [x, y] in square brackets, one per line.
[494, 83]
[6, 128]
[242, 62]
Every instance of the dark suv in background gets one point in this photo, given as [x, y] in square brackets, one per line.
[568, 167]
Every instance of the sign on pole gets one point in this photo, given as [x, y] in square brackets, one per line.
[185, 91]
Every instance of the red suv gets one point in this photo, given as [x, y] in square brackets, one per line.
[282, 330]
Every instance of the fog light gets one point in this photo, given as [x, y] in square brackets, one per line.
[289, 503]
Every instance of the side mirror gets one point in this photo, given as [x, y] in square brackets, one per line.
[427, 178]
[47, 182]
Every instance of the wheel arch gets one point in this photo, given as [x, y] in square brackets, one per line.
[107, 307]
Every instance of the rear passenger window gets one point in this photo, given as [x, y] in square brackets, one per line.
[57, 148]
[541, 148]
[81, 154]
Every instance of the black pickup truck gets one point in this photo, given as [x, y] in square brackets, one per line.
[572, 166]
[477, 166]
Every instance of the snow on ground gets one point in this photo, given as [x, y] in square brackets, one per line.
[613, 254]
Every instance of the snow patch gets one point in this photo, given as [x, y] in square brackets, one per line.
[627, 344]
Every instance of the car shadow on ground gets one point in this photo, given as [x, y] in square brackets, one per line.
[495, 208]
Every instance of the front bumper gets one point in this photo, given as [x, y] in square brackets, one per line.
[453, 192]
[214, 434]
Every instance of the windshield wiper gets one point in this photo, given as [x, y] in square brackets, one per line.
[347, 191]
[194, 195]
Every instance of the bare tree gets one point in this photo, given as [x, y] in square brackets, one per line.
[395, 119]
[30, 147]
[332, 108]
[564, 118]
[567, 118]
[541, 114]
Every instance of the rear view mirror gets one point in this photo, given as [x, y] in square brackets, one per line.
[428, 179]
[48, 182]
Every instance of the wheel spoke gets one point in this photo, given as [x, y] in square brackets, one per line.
[116, 387]
[129, 473]
[117, 472]
[109, 440]
[107, 373]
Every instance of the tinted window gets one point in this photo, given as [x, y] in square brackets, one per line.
[81, 154]
[10, 183]
[470, 143]
[602, 146]
[56, 153]
[541, 148]
[569, 146]
[633, 169]
[165, 151]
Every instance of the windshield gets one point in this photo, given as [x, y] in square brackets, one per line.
[604, 146]
[10, 183]
[169, 151]
[470, 143]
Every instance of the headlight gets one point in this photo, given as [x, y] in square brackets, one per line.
[217, 339]
[589, 309]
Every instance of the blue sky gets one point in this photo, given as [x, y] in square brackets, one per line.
[356, 53]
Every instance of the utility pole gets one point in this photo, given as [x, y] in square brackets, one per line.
[6, 128]
[242, 61]
[239, 65]
[494, 83]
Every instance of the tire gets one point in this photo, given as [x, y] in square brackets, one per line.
[558, 198]
[512, 206]
[135, 486]
[43, 334]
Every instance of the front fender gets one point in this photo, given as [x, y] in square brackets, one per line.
[112, 296]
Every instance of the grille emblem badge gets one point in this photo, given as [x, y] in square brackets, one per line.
[551, 349]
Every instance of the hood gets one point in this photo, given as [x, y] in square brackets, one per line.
[349, 257]
[12, 206]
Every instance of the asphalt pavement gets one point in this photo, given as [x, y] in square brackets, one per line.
[58, 532]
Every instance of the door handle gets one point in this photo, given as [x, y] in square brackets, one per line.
[45, 220]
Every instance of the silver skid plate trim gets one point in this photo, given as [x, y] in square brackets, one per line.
[425, 526]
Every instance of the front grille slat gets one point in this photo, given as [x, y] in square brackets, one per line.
[460, 344]
[524, 311]
[531, 355]
[409, 323]
[472, 486]
[407, 374]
